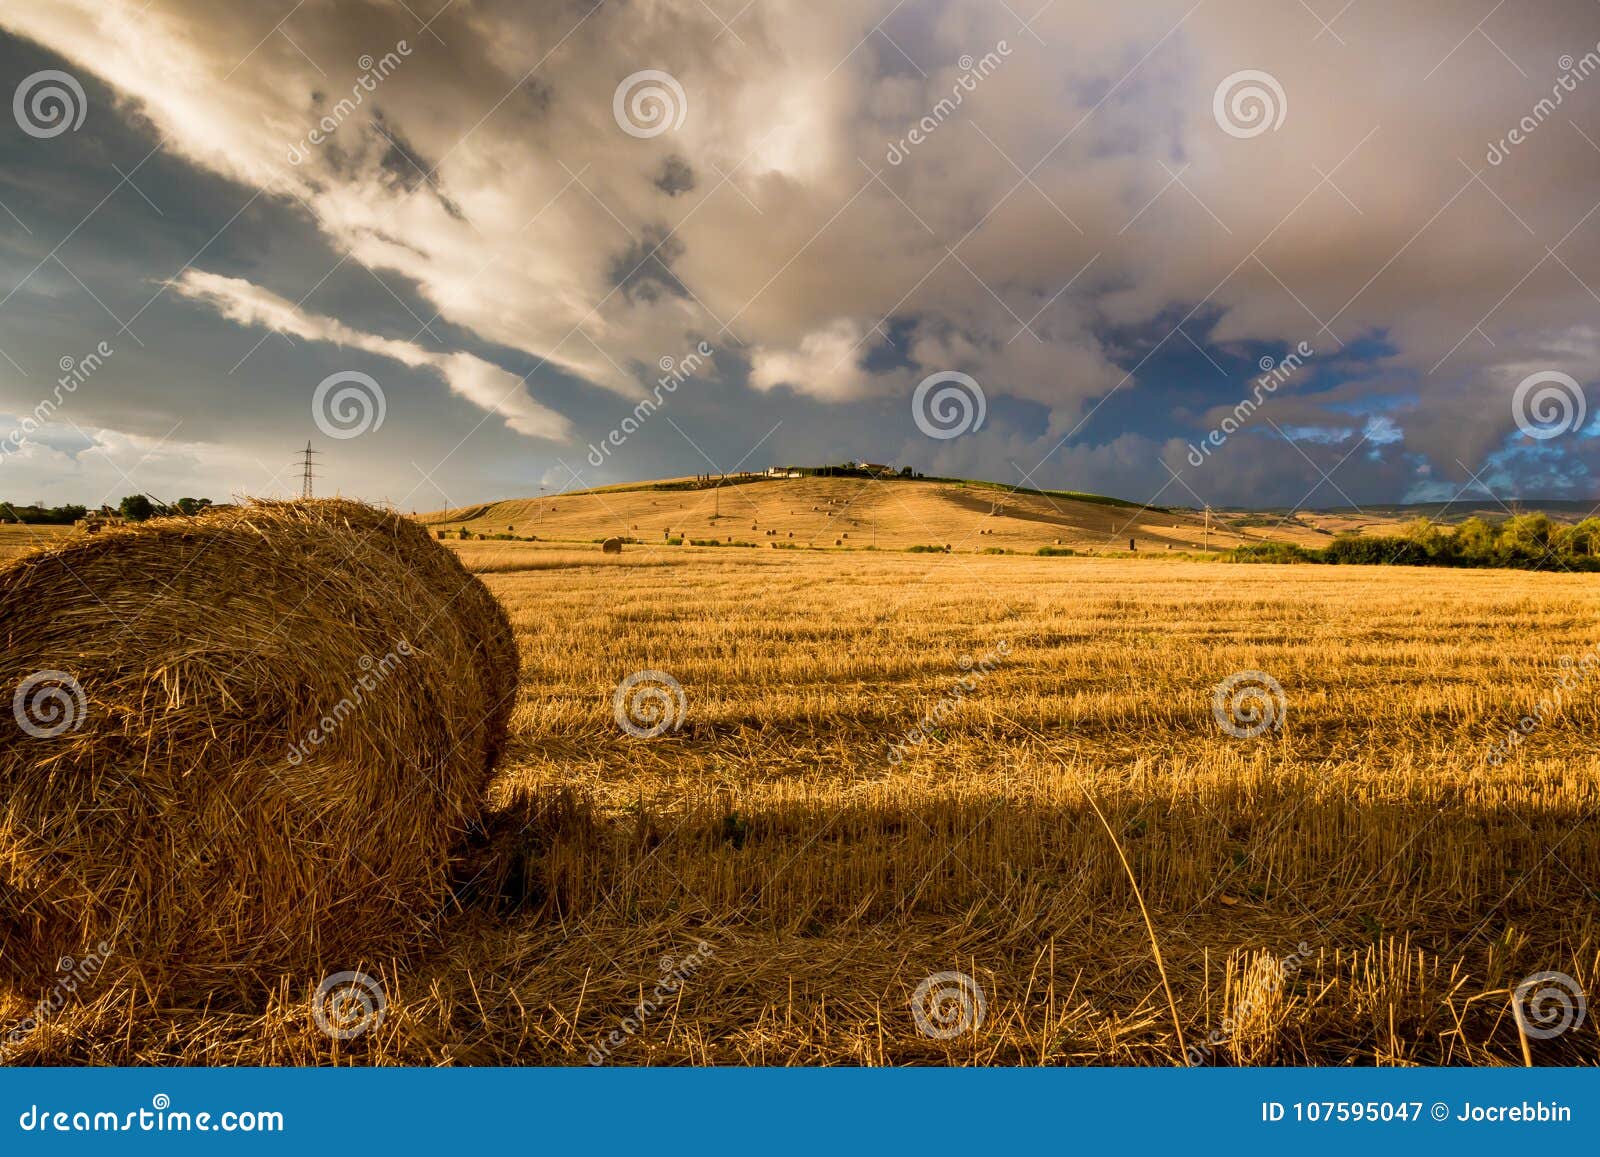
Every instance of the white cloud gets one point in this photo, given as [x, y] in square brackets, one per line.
[484, 385]
[826, 363]
[61, 462]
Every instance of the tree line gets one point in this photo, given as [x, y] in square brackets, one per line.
[134, 508]
[1523, 541]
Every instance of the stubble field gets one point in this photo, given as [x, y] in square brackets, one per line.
[973, 809]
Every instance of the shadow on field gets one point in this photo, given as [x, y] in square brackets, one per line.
[1296, 925]
[1312, 927]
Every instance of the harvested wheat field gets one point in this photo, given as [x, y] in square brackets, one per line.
[878, 771]
[17, 540]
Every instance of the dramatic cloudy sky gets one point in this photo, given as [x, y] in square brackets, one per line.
[508, 232]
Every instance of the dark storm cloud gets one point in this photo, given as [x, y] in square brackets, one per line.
[842, 204]
[675, 177]
[643, 271]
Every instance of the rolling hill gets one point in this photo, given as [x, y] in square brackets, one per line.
[891, 514]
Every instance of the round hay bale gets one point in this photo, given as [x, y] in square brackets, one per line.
[612, 546]
[244, 745]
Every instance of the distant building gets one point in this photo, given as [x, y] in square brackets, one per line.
[99, 519]
[875, 467]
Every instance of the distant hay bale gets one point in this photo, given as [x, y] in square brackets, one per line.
[243, 745]
[611, 546]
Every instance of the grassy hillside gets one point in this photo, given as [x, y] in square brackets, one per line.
[857, 513]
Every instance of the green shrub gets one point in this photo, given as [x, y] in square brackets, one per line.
[1376, 550]
[1273, 552]
[1525, 541]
